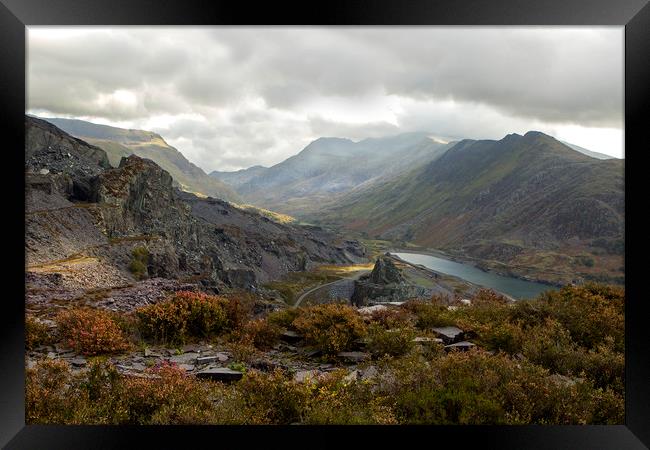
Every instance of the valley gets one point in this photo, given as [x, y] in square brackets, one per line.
[315, 276]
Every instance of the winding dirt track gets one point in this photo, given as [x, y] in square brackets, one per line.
[306, 293]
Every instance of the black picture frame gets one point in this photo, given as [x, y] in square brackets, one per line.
[15, 15]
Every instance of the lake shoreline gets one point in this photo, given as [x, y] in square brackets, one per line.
[439, 262]
[471, 262]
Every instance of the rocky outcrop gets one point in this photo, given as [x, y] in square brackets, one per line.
[386, 283]
[385, 272]
[51, 150]
[136, 204]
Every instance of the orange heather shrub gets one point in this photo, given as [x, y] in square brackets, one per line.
[261, 333]
[330, 327]
[239, 308]
[91, 331]
[392, 318]
[185, 314]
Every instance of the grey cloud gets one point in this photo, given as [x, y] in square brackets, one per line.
[262, 92]
[355, 131]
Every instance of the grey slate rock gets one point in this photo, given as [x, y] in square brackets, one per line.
[185, 358]
[462, 346]
[449, 335]
[206, 359]
[220, 374]
[353, 357]
[78, 362]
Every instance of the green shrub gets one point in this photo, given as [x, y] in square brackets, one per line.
[273, 398]
[243, 351]
[139, 261]
[36, 333]
[488, 297]
[335, 400]
[46, 399]
[283, 317]
[498, 336]
[331, 327]
[102, 396]
[393, 342]
[184, 315]
[590, 313]
[428, 315]
[550, 345]
[91, 331]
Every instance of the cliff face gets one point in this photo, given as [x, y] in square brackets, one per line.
[136, 204]
[120, 142]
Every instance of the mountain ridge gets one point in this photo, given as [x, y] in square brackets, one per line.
[120, 142]
[510, 200]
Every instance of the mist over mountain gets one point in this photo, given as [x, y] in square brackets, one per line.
[587, 152]
[330, 167]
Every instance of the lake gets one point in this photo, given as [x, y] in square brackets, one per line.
[513, 287]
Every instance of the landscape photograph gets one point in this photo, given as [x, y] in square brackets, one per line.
[233, 225]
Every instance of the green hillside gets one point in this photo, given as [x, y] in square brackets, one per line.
[526, 201]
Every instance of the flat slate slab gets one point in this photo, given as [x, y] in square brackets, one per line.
[150, 353]
[207, 359]
[449, 334]
[220, 374]
[185, 358]
[353, 357]
[462, 346]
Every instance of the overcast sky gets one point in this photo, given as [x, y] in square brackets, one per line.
[229, 98]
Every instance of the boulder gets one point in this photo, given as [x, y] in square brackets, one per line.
[369, 373]
[449, 334]
[385, 284]
[352, 376]
[78, 361]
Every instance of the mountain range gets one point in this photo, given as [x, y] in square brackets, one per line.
[527, 201]
[526, 205]
[330, 167]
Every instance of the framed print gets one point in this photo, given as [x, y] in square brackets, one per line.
[327, 222]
